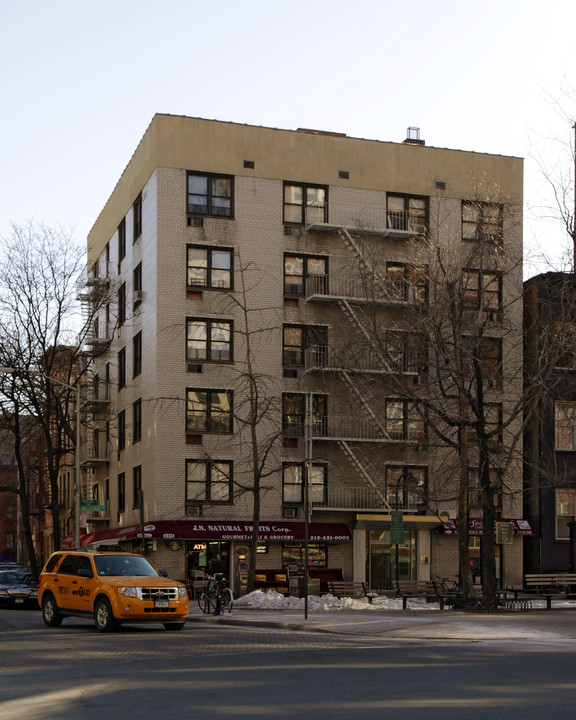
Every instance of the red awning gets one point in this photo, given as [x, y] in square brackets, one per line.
[519, 527]
[217, 530]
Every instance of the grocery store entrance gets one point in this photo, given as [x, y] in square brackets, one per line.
[387, 561]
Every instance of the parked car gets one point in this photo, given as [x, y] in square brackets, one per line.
[12, 566]
[18, 589]
[111, 588]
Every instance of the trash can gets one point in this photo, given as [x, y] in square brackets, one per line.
[313, 586]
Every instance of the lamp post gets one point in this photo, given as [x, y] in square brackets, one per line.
[76, 389]
[409, 481]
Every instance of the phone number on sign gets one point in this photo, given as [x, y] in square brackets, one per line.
[328, 537]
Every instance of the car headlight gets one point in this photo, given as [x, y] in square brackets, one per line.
[4, 593]
[182, 592]
[132, 592]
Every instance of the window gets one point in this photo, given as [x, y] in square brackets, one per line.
[121, 241]
[209, 340]
[475, 488]
[208, 481]
[210, 194]
[208, 411]
[295, 554]
[137, 217]
[565, 345]
[137, 354]
[136, 485]
[137, 421]
[493, 423]
[481, 221]
[121, 493]
[305, 204]
[121, 304]
[293, 483]
[137, 285]
[300, 270]
[407, 283]
[294, 414]
[488, 353]
[404, 420]
[121, 430]
[209, 268]
[299, 340]
[482, 289]
[406, 213]
[565, 425]
[122, 368]
[405, 352]
[565, 512]
[406, 486]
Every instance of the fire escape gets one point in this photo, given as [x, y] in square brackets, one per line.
[353, 435]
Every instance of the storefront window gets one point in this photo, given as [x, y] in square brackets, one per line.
[293, 554]
[386, 561]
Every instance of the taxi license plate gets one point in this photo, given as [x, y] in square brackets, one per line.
[20, 601]
[161, 604]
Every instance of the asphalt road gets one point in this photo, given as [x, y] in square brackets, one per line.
[211, 671]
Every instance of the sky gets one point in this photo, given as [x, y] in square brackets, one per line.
[80, 81]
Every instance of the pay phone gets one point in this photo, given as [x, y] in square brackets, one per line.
[242, 569]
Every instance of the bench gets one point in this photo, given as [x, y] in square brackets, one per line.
[343, 588]
[545, 585]
[428, 589]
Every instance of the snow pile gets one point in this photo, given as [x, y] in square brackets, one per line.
[271, 600]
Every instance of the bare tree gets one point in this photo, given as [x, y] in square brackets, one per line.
[42, 332]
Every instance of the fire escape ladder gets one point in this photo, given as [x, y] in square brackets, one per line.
[353, 316]
[366, 470]
[355, 247]
[361, 392]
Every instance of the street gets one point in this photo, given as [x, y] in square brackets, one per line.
[228, 672]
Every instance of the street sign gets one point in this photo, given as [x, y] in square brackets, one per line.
[397, 519]
[92, 506]
[397, 536]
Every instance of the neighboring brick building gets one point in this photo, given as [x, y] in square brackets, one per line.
[324, 233]
[8, 507]
[550, 438]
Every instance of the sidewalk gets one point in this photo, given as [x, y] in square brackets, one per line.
[537, 626]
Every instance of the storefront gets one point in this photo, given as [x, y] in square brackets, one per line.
[212, 546]
[393, 553]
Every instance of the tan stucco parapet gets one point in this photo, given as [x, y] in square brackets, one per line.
[187, 143]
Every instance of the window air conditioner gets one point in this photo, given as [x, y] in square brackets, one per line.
[137, 297]
[290, 512]
[193, 510]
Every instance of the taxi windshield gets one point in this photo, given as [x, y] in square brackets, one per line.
[124, 565]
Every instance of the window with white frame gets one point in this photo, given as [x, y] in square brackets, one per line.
[404, 419]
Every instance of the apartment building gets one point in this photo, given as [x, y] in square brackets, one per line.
[268, 291]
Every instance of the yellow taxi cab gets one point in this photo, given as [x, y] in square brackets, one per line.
[112, 588]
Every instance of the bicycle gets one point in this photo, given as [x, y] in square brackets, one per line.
[217, 597]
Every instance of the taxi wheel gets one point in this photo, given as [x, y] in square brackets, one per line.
[174, 625]
[50, 612]
[104, 617]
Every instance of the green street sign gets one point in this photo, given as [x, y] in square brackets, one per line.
[92, 506]
[397, 519]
